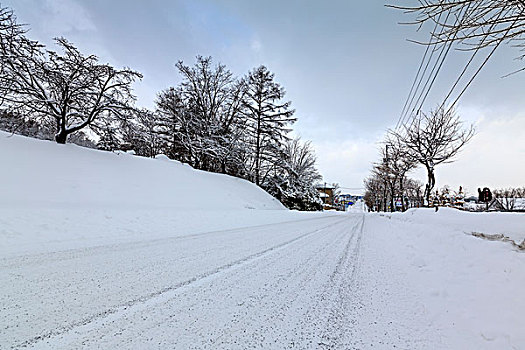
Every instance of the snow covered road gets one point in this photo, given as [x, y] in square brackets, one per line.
[351, 281]
[271, 284]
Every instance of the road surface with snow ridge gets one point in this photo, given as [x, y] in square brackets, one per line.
[327, 282]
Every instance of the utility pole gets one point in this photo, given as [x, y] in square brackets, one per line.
[325, 194]
[385, 161]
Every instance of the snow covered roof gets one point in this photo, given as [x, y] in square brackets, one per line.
[324, 186]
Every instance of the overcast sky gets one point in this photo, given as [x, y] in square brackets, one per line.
[346, 65]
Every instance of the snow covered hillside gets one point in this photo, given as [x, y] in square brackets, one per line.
[53, 195]
[42, 173]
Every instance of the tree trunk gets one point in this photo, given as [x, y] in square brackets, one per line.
[384, 198]
[258, 151]
[430, 185]
[392, 200]
[61, 137]
[403, 208]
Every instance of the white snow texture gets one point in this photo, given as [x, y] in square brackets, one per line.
[102, 250]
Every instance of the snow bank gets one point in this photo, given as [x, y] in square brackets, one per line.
[66, 197]
[44, 174]
[511, 225]
[469, 289]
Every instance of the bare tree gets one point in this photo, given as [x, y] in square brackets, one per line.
[476, 26]
[14, 45]
[176, 126]
[475, 23]
[398, 161]
[378, 194]
[434, 139]
[205, 91]
[414, 192]
[139, 133]
[232, 136]
[72, 89]
[506, 198]
[7, 29]
[372, 190]
[202, 117]
[376, 191]
[381, 173]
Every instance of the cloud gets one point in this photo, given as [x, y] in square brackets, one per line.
[493, 158]
[256, 45]
[65, 16]
[347, 162]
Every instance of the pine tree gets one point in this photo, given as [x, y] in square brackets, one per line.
[267, 124]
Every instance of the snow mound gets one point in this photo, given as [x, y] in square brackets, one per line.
[43, 174]
[59, 197]
[511, 225]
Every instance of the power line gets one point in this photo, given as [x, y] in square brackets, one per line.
[478, 48]
[414, 83]
[444, 48]
[411, 96]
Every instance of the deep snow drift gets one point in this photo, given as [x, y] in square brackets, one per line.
[63, 196]
[45, 174]
[511, 225]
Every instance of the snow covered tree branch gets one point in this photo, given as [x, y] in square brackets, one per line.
[70, 88]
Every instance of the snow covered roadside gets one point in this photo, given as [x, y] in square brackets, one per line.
[57, 197]
[90, 230]
[469, 290]
[511, 225]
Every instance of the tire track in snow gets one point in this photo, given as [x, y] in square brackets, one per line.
[69, 254]
[129, 306]
[255, 305]
[282, 322]
[340, 294]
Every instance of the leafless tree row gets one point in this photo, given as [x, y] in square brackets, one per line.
[429, 140]
[509, 199]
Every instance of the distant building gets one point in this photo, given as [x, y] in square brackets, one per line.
[326, 193]
[345, 200]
